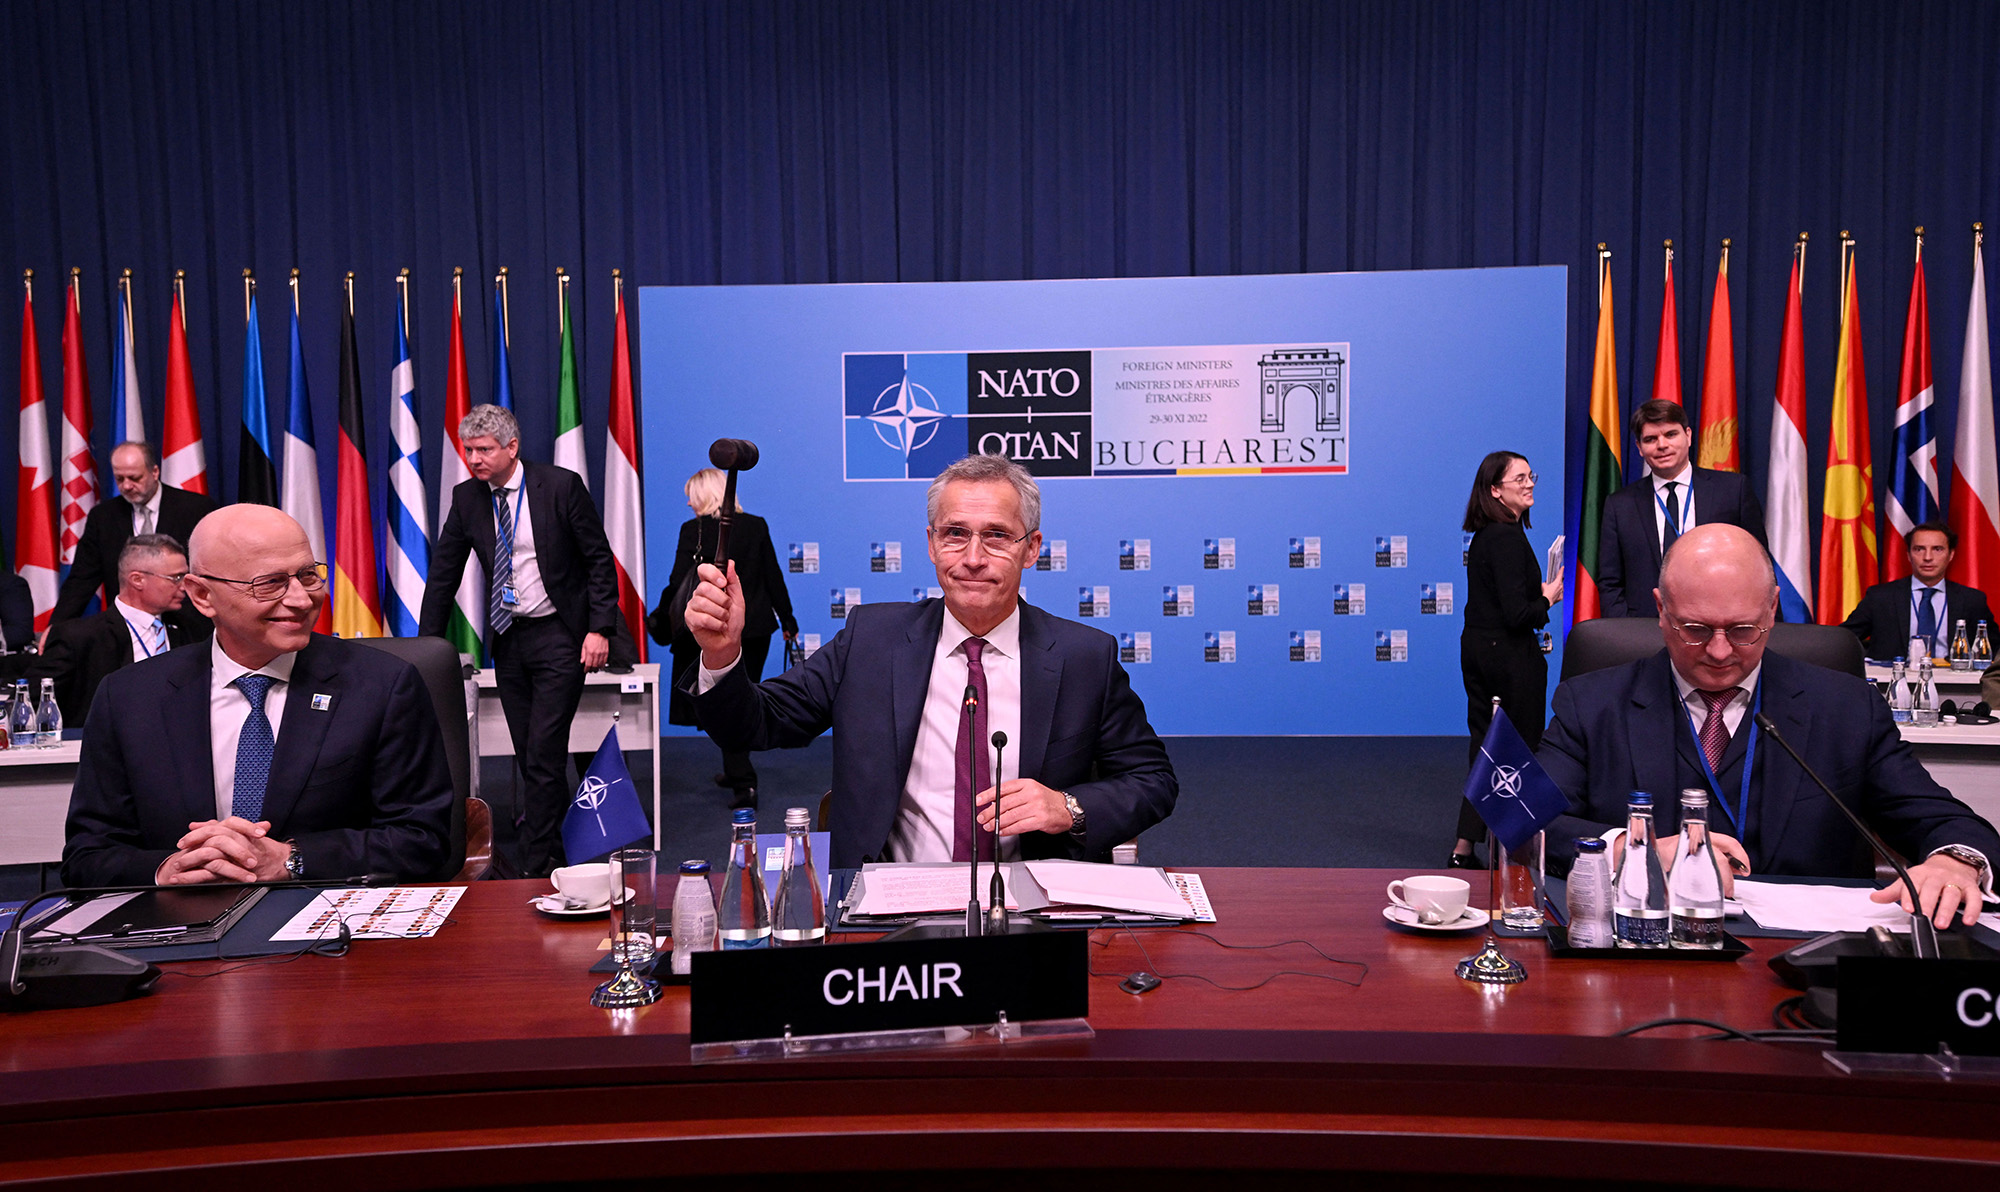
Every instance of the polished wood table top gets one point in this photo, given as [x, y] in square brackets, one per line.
[475, 1057]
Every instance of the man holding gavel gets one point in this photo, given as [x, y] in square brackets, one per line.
[552, 604]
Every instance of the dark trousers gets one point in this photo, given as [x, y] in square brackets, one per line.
[1513, 667]
[538, 671]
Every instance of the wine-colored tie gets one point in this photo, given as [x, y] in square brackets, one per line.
[1714, 732]
[973, 767]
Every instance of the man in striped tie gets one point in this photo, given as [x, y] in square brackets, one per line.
[1688, 717]
[79, 654]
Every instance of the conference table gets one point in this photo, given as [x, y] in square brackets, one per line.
[473, 1059]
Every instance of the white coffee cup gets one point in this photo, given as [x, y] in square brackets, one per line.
[1432, 900]
[592, 883]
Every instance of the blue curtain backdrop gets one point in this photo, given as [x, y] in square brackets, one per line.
[762, 141]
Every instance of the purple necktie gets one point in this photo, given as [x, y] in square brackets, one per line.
[973, 769]
[1715, 730]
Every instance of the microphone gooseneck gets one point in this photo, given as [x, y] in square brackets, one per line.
[996, 894]
[967, 711]
[1923, 936]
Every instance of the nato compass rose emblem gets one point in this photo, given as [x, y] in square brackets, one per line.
[590, 796]
[906, 416]
[1506, 782]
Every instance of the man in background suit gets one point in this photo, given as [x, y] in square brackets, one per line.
[270, 753]
[1672, 721]
[908, 773]
[1641, 520]
[552, 606]
[143, 506]
[1926, 605]
[79, 654]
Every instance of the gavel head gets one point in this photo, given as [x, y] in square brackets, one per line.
[733, 455]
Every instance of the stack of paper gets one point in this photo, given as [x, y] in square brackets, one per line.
[1059, 889]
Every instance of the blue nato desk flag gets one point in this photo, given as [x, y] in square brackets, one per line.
[605, 815]
[1508, 787]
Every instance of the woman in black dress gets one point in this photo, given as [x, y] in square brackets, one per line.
[1506, 604]
[767, 606]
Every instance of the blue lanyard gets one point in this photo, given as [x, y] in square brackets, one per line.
[140, 636]
[519, 495]
[1740, 813]
[1681, 526]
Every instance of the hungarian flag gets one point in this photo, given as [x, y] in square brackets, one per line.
[624, 502]
[300, 498]
[35, 485]
[128, 420]
[503, 372]
[1785, 487]
[569, 411]
[1847, 511]
[256, 477]
[1914, 497]
[79, 467]
[467, 622]
[1667, 360]
[357, 599]
[1600, 447]
[183, 460]
[1975, 486]
[1718, 382]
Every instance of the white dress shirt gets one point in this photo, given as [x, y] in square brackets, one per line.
[925, 815]
[1683, 482]
[531, 599]
[146, 517]
[139, 623]
[228, 707]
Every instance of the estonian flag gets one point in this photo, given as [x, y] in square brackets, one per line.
[605, 814]
[1509, 789]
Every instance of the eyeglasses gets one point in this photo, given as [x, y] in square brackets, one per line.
[1694, 633]
[175, 578]
[1527, 480]
[270, 587]
[953, 539]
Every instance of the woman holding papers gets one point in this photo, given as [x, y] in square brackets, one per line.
[1506, 604]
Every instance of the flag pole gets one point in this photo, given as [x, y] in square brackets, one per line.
[403, 297]
[28, 281]
[1603, 263]
[349, 287]
[1799, 253]
[249, 290]
[76, 286]
[180, 293]
[562, 298]
[506, 310]
[1920, 244]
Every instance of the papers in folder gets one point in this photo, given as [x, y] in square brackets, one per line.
[1059, 889]
[1783, 906]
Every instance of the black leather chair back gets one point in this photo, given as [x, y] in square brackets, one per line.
[1613, 641]
[437, 663]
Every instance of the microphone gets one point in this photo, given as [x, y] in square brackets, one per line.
[996, 893]
[967, 717]
[1923, 936]
[732, 456]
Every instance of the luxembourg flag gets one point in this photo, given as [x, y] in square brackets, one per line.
[1975, 488]
[1785, 489]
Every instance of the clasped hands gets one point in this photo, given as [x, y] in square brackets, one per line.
[225, 850]
[1945, 885]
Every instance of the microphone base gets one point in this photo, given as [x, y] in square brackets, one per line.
[71, 977]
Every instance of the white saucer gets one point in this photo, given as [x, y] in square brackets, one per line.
[550, 904]
[1403, 916]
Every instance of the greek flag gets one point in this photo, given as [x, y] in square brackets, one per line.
[1508, 787]
[605, 814]
[409, 554]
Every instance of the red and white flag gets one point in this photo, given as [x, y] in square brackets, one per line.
[35, 486]
[183, 461]
[79, 466]
[1975, 480]
[624, 502]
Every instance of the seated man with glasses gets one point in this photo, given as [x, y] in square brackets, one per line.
[80, 653]
[272, 752]
[1684, 718]
[915, 694]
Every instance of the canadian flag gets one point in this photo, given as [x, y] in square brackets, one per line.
[183, 461]
[35, 486]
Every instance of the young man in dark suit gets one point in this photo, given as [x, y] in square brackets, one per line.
[143, 506]
[1926, 605]
[1641, 520]
[270, 753]
[552, 606]
[79, 654]
[1686, 717]
[1083, 771]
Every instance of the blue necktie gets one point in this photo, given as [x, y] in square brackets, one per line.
[253, 750]
[1927, 622]
[498, 615]
[158, 638]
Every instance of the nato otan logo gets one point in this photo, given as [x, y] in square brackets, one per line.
[907, 415]
[593, 791]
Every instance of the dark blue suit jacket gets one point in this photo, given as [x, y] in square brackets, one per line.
[1083, 730]
[1882, 620]
[1628, 550]
[360, 787]
[1623, 729]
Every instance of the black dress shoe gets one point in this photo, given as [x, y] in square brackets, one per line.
[1465, 861]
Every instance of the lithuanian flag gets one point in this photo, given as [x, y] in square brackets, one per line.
[1601, 464]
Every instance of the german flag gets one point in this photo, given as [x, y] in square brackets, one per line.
[1601, 465]
[1847, 565]
[357, 594]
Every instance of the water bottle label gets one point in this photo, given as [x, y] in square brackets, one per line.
[1641, 930]
[1694, 929]
[730, 945]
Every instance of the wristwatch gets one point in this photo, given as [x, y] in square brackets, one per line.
[1965, 856]
[1075, 814]
[295, 864]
